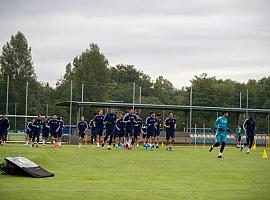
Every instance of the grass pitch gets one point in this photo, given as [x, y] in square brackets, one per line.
[184, 173]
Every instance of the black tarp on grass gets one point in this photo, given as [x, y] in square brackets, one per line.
[23, 166]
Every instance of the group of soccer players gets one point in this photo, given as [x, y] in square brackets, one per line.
[48, 127]
[126, 130]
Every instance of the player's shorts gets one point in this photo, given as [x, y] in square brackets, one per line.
[129, 132]
[170, 134]
[157, 133]
[60, 133]
[45, 134]
[150, 132]
[81, 135]
[93, 133]
[110, 131]
[238, 137]
[54, 134]
[221, 138]
[99, 131]
[29, 134]
[4, 132]
[137, 132]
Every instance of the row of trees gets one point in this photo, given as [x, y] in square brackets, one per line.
[103, 82]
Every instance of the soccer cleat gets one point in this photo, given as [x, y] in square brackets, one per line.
[211, 148]
[157, 147]
[220, 156]
[102, 145]
[109, 148]
[248, 152]
[241, 148]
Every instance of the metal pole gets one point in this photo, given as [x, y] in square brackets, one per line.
[190, 111]
[133, 95]
[82, 97]
[240, 100]
[7, 94]
[26, 107]
[70, 112]
[247, 105]
[140, 97]
[47, 110]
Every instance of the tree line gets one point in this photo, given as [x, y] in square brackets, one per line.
[103, 82]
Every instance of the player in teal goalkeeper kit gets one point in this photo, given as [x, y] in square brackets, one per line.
[221, 132]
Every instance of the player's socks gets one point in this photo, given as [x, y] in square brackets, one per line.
[98, 145]
[211, 148]
[248, 151]
[220, 155]
[241, 148]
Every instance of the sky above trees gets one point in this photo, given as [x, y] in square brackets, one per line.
[176, 39]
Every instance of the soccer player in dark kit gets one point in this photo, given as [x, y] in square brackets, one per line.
[99, 125]
[130, 119]
[4, 127]
[37, 126]
[54, 126]
[45, 131]
[82, 128]
[120, 130]
[150, 129]
[110, 121]
[93, 130]
[170, 125]
[157, 131]
[249, 127]
[60, 130]
[138, 129]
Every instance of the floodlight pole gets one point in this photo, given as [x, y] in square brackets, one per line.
[15, 113]
[240, 100]
[133, 95]
[26, 106]
[7, 94]
[47, 110]
[140, 97]
[70, 112]
[247, 105]
[82, 97]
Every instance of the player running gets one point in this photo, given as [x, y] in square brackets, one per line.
[45, 131]
[150, 129]
[29, 132]
[37, 126]
[130, 120]
[249, 127]
[138, 129]
[170, 125]
[82, 128]
[60, 131]
[239, 134]
[93, 130]
[157, 131]
[54, 126]
[4, 127]
[99, 125]
[221, 132]
[110, 121]
[120, 130]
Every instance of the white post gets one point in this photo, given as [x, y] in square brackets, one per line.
[26, 107]
[70, 112]
[190, 111]
[7, 94]
[133, 95]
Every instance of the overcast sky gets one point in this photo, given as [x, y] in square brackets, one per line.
[174, 38]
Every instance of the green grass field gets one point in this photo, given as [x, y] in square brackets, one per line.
[184, 173]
